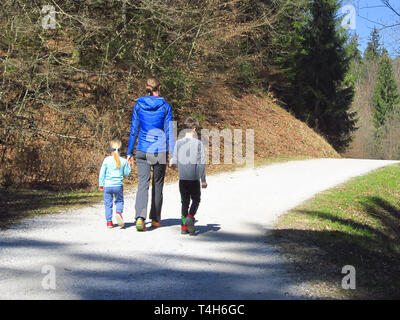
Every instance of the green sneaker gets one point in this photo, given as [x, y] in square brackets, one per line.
[140, 226]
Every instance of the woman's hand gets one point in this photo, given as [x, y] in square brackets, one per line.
[131, 161]
[101, 188]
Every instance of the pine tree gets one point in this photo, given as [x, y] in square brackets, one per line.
[292, 20]
[355, 59]
[373, 50]
[386, 95]
[353, 51]
[319, 93]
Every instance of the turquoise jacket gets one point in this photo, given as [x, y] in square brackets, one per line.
[110, 176]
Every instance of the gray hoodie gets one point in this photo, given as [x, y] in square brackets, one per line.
[189, 155]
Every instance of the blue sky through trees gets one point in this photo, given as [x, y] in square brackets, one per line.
[370, 13]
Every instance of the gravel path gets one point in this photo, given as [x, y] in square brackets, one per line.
[229, 258]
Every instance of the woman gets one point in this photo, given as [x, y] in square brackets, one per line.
[153, 128]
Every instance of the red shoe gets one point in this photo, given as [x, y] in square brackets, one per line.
[184, 230]
[110, 225]
[120, 220]
[156, 224]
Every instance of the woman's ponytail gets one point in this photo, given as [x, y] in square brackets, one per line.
[152, 85]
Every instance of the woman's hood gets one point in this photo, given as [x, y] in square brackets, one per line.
[150, 102]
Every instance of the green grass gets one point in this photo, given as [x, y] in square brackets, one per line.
[357, 223]
[17, 204]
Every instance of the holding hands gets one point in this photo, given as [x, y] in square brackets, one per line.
[172, 164]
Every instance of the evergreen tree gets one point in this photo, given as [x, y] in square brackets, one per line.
[292, 20]
[354, 53]
[317, 69]
[386, 95]
[373, 50]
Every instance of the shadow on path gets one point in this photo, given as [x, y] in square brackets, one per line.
[82, 274]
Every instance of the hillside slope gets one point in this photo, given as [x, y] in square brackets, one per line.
[277, 132]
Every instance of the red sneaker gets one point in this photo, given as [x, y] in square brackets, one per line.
[184, 230]
[156, 224]
[110, 225]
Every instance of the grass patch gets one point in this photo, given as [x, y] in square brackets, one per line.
[357, 223]
[17, 204]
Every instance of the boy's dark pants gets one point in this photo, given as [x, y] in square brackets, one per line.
[190, 190]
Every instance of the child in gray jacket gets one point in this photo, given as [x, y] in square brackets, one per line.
[189, 156]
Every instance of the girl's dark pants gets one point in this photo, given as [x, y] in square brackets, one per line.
[190, 190]
[145, 162]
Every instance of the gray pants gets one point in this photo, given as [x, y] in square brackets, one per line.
[145, 162]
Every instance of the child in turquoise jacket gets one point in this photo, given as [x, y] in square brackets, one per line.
[112, 172]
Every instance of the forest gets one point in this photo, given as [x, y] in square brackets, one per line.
[377, 101]
[67, 89]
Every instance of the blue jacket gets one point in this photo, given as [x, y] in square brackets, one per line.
[152, 125]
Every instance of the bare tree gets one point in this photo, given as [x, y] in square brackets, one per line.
[65, 92]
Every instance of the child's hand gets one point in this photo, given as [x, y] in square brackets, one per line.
[171, 164]
[204, 185]
[101, 188]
